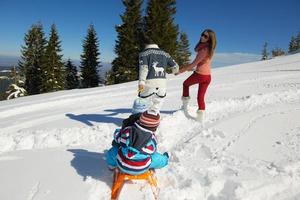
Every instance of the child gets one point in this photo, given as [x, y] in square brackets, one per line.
[139, 106]
[134, 147]
[153, 63]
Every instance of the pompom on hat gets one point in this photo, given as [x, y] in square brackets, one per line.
[149, 120]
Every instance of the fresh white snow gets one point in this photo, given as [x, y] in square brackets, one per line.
[52, 146]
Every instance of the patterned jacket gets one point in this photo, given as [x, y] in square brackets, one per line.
[136, 144]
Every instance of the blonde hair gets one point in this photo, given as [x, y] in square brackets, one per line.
[212, 42]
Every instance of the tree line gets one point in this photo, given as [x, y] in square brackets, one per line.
[294, 45]
[42, 66]
[43, 70]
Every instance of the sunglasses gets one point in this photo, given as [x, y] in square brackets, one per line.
[204, 35]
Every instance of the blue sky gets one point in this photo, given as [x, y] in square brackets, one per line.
[241, 26]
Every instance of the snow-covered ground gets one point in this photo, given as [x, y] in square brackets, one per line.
[53, 145]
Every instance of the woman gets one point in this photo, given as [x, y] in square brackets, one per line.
[205, 50]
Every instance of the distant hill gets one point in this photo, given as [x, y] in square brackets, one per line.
[6, 62]
[105, 67]
[4, 68]
[9, 60]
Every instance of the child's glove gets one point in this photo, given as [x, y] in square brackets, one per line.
[116, 137]
[166, 154]
[141, 88]
[117, 133]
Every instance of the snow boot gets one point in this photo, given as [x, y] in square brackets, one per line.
[200, 115]
[185, 102]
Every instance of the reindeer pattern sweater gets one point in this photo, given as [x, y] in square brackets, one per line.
[153, 63]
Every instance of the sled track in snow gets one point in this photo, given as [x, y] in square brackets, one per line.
[232, 107]
[249, 125]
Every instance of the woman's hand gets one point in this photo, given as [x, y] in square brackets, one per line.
[181, 70]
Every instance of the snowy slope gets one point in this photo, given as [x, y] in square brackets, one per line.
[53, 145]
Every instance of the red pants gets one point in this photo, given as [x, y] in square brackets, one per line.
[203, 81]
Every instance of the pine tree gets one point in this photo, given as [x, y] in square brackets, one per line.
[14, 75]
[277, 52]
[90, 59]
[128, 44]
[160, 26]
[184, 53]
[53, 67]
[293, 44]
[32, 56]
[298, 41]
[265, 53]
[72, 81]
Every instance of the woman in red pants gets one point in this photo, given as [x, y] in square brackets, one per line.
[205, 50]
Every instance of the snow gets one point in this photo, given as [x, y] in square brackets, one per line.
[15, 91]
[52, 146]
[5, 71]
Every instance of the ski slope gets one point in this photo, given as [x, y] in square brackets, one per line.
[52, 146]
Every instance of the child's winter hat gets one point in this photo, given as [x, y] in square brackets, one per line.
[149, 120]
[140, 105]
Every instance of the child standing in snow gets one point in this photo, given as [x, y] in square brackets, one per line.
[153, 63]
[139, 106]
[202, 75]
[134, 147]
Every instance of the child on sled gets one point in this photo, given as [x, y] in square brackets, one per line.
[134, 148]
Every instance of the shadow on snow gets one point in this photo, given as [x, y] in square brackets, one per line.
[110, 117]
[91, 164]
